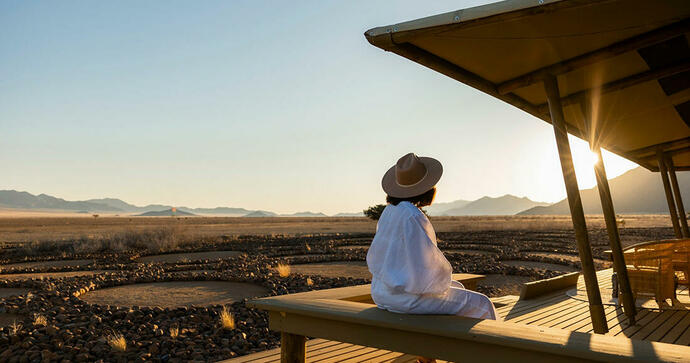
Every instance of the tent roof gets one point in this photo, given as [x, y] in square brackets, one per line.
[627, 62]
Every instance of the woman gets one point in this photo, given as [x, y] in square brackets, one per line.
[409, 272]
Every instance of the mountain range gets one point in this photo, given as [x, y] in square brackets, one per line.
[487, 206]
[636, 191]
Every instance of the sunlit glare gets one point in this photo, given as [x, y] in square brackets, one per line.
[585, 160]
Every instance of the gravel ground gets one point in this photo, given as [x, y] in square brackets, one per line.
[76, 328]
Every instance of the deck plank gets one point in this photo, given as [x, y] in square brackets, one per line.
[666, 327]
[677, 330]
[653, 325]
[684, 339]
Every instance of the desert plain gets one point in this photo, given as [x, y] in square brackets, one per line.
[77, 288]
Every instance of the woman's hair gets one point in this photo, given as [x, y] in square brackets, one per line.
[418, 200]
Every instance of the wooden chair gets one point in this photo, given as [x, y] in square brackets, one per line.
[681, 262]
[651, 272]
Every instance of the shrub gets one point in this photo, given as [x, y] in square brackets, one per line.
[375, 211]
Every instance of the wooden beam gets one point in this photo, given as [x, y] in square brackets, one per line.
[671, 153]
[678, 197]
[679, 97]
[596, 308]
[669, 195]
[619, 266]
[627, 45]
[621, 84]
[626, 295]
[293, 348]
[652, 149]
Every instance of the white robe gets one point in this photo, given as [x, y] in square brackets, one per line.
[411, 275]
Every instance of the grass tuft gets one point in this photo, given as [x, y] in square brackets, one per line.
[174, 332]
[15, 328]
[227, 321]
[117, 342]
[40, 320]
[283, 270]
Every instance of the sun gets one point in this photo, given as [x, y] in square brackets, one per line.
[592, 158]
[584, 161]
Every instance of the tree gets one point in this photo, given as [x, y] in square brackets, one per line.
[374, 212]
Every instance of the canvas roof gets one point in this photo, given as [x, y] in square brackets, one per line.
[629, 59]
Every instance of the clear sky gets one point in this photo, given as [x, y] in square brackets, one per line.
[281, 106]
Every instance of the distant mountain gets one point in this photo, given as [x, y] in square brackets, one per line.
[13, 199]
[304, 214]
[360, 214]
[505, 205]
[165, 213]
[126, 207]
[638, 191]
[439, 209]
[23, 200]
[227, 211]
[260, 213]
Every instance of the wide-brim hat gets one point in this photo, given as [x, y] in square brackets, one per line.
[412, 175]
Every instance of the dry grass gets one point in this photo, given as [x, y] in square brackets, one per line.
[153, 240]
[16, 226]
[40, 320]
[117, 342]
[227, 321]
[15, 328]
[283, 270]
[174, 332]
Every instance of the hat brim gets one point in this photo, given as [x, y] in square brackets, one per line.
[434, 170]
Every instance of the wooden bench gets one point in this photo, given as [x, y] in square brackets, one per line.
[347, 315]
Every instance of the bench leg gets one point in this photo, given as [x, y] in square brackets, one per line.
[293, 348]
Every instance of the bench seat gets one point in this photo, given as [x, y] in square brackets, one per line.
[344, 315]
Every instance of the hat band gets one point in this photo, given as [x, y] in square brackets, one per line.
[412, 185]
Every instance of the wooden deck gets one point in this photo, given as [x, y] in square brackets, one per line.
[562, 309]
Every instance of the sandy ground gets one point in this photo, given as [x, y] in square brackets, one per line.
[54, 275]
[19, 227]
[56, 263]
[471, 252]
[188, 257]
[9, 319]
[8, 291]
[509, 285]
[175, 294]
[542, 265]
[564, 256]
[355, 269]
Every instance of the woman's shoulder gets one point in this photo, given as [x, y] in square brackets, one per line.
[410, 210]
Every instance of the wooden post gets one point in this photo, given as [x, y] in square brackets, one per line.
[596, 309]
[667, 190]
[293, 348]
[679, 198]
[626, 295]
